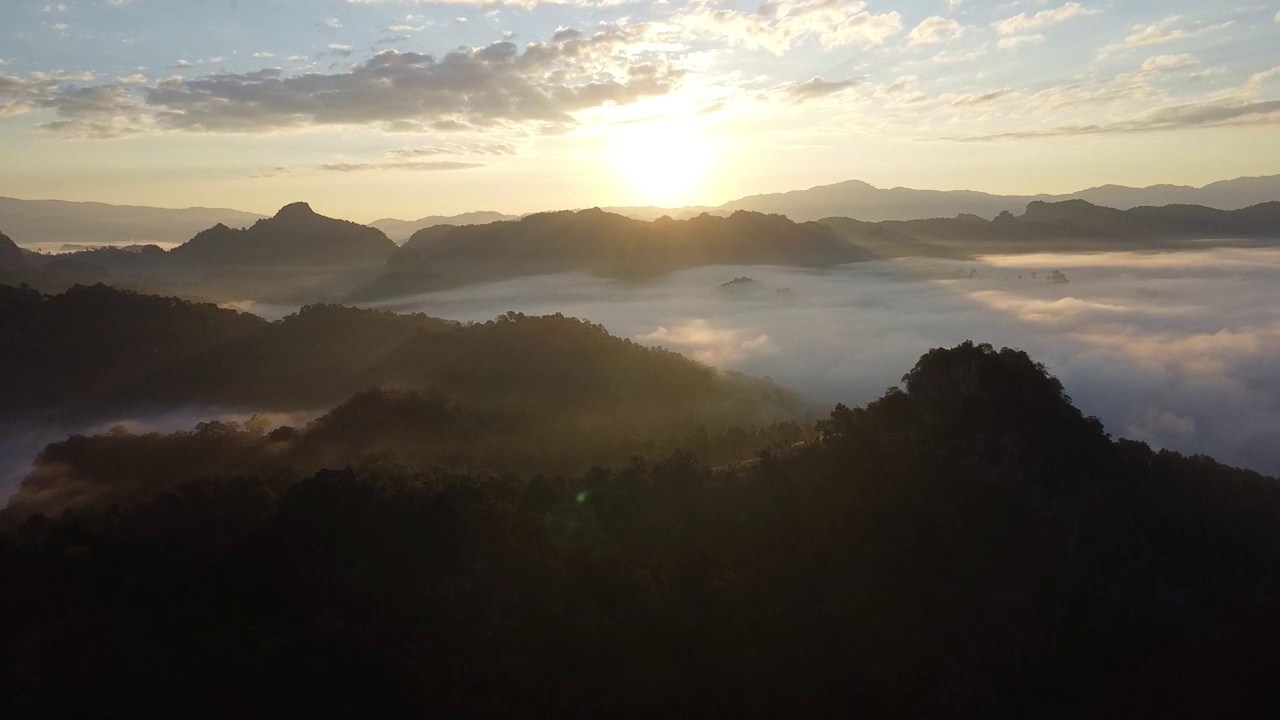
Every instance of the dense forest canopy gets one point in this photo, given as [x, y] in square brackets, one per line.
[970, 545]
[95, 350]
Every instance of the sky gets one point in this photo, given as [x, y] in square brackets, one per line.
[406, 108]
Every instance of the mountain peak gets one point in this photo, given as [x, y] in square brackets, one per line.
[296, 210]
[296, 234]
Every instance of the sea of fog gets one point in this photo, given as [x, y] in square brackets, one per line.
[62, 248]
[1181, 350]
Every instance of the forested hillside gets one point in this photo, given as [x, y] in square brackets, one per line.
[95, 350]
[968, 546]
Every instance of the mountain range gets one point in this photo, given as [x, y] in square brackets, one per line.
[603, 244]
[857, 199]
[42, 223]
[401, 230]
[299, 257]
[1068, 226]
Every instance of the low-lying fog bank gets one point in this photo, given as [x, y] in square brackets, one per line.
[1181, 350]
[21, 442]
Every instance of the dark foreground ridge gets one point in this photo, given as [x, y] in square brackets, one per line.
[969, 546]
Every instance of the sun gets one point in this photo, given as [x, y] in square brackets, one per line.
[666, 163]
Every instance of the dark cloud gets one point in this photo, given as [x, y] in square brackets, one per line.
[542, 84]
[817, 88]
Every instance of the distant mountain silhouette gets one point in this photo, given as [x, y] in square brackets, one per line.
[402, 230]
[1061, 226]
[1170, 221]
[300, 257]
[295, 235]
[34, 222]
[854, 198]
[1234, 194]
[603, 244]
[861, 200]
[295, 257]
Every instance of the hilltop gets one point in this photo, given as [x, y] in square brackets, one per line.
[603, 244]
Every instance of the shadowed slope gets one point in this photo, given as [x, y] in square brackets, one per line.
[603, 244]
[970, 546]
[296, 235]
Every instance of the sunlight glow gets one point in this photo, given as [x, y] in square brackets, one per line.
[667, 163]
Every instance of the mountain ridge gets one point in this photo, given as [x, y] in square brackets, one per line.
[862, 200]
[604, 244]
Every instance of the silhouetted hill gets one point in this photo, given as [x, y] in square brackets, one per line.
[1170, 221]
[55, 221]
[857, 199]
[854, 198]
[882, 241]
[67, 351]
[1064, 226]
[967, 546]
[97, 350]
[604, 244]
[12, 259]
[402, 230]
[294, 236]
[1235, 194]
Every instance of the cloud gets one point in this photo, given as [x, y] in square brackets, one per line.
[486, 148]
[1019, 41]
[1169, 63]
[779, 25]
[1178, 349]
[414, 166]
[472, 87]
[714, 346]
[1022, 23]
[934, 30]
[1170, 29]
[984, 98]
[14, 109]
[816, 87]
[524, 4]
[1175, 117]
[271, 172]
